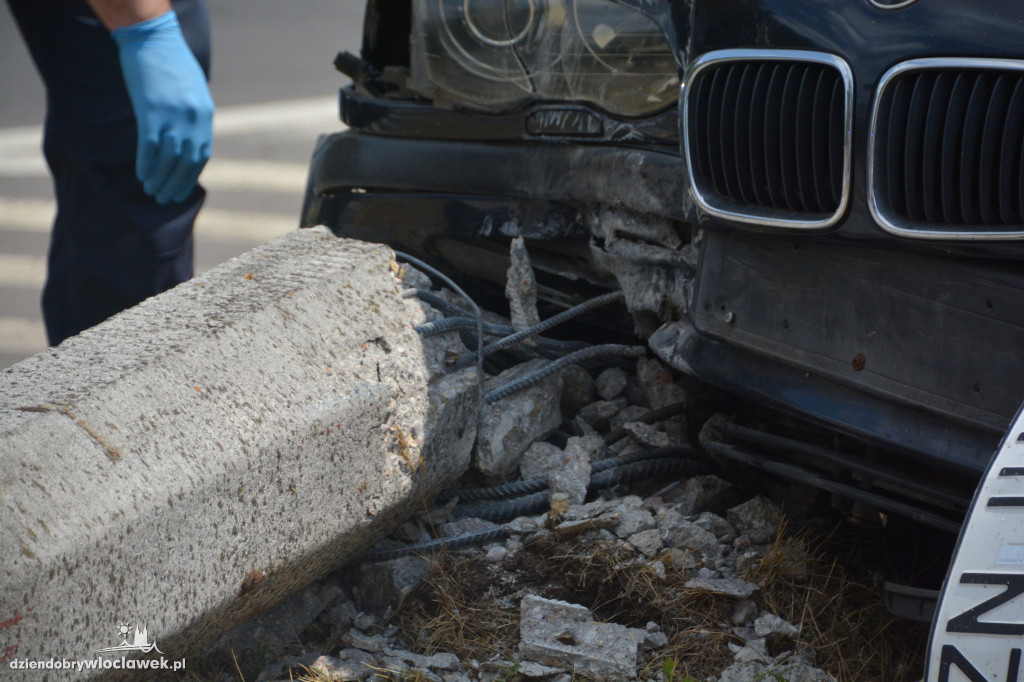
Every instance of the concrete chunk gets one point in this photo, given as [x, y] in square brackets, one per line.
[559, 634]
[195, 459]
[509, 426]
[758, 518]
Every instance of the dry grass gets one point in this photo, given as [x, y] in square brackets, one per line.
[805, 580]
[470, 607]
[453, 613]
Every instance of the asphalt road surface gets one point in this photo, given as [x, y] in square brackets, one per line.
[276, 90]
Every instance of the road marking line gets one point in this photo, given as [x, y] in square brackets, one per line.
[281, 116]
[23, 272]
[213, 225]
[287, 177]
[242, 227]
[27, 215]
[21, 335]
[255, 175]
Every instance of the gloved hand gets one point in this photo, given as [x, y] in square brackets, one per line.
[172, 105]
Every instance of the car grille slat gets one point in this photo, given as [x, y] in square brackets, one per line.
[931, 159]
[787, 141]
[756, 136]
[894, 167]
[766, 136]
[702, 156]
[740, 129]
[714, 130]
[772, 134]
[991, 135]
[804, 131]
[835, 137]
[950, 170]
[820, 147]
[913, 144]
[947, 156]
[1009, 161]
[969, 151]
[726, 139]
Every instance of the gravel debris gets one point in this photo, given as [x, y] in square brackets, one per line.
[694, 540]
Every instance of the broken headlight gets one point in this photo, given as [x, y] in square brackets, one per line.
[494, 55]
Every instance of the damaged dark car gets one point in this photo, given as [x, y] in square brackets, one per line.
[814, 206]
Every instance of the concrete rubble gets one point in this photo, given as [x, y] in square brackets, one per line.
[700, 528]
[696, 542]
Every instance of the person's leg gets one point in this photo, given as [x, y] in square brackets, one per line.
[112, 246]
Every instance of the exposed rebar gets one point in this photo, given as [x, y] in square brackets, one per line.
[543, 326]
[502, 510]
[456, 542]
[448, 324]
[547, 370]
[476, 312]
[533, 485]
[428, 296]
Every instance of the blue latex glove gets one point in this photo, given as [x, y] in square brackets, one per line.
[172, 106]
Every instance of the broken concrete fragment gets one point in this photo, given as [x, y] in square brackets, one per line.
[508, 427]
[335, 669]
[770, 624]
[630, 413]
[359, 660]
[572, 477]
[744, 672]
[278, 626]
[647, 541]
[795, 672]
[680, 560]
[610, 383]
[722, 529]
[729, 586]
[654, 639]
[598, 413]
[372, 643]
[443, 660]
[567, 471]
[633, 518]
[702, 493]
[752, 651]
[657, 569]
[645, 434]
[496, 554]
[676, 531]
[578, 389]
[743, 612]
[414, 660]
[538, 460]
[758, 518]
[521, 288]
[384, 586]
[530, 669]
[658, 384]
[557, 633]
[591, 448]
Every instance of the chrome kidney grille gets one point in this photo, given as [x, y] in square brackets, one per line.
[946, 158]
[766, 136]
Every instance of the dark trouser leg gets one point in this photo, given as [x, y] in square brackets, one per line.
[112, 246]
